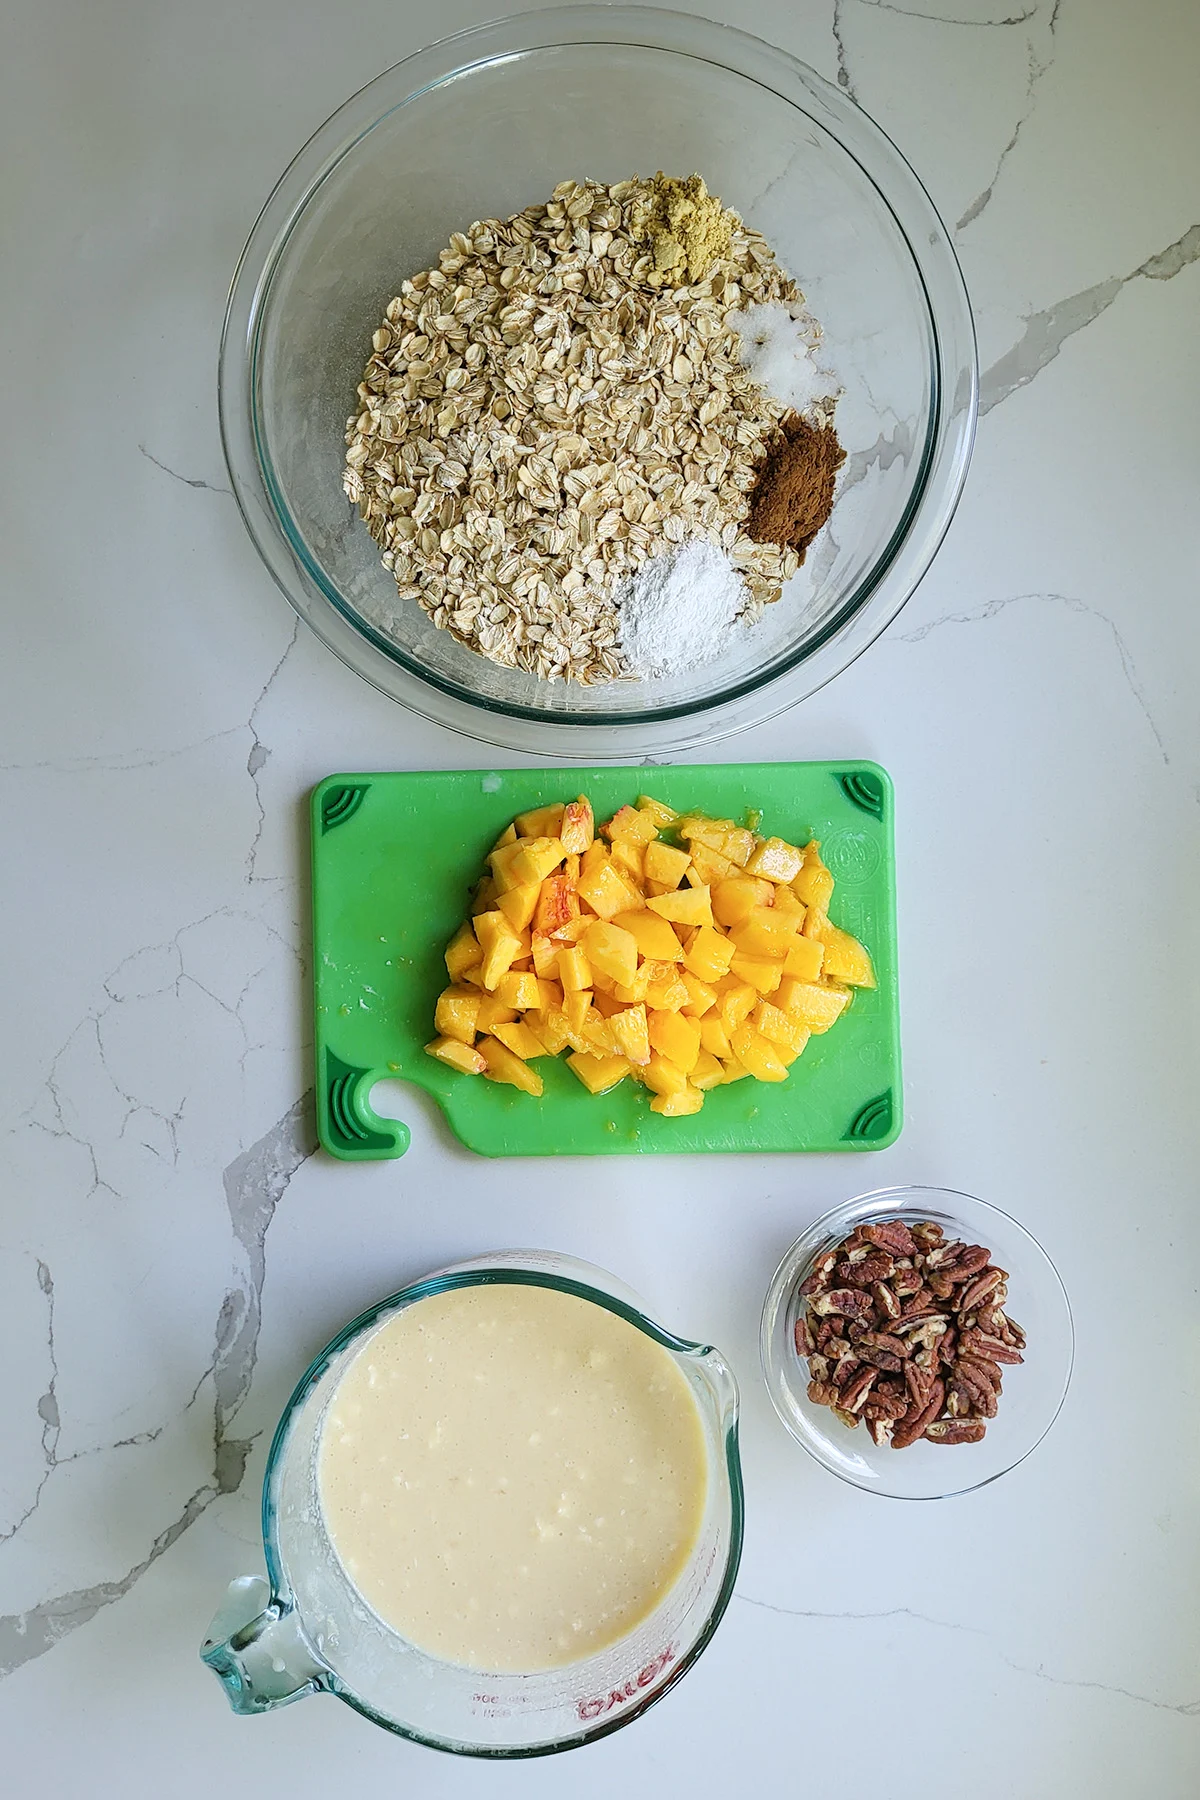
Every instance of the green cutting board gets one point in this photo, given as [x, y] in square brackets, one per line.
[394, 859]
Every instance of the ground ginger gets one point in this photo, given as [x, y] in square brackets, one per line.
[685, 228]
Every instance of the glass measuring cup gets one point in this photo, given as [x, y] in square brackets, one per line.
[306, 1630]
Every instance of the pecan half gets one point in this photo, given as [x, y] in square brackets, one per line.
[880, 1430]
[913, 1424]
[854, 1394]
[806, 1343]
[886, 1300]
[927, 1234]
[955, 1431]
[822, 1271]
[846, 1301]
[980, 1288]
[875, 1265]
[890, 1234]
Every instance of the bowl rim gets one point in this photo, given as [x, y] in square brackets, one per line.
[898, 1202]
[943, 458]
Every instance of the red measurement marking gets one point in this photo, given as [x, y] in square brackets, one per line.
[603, 1703]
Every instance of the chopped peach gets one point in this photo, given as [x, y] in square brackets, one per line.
[457, 1012]
[653, 936]
[765, 931]
[484, 897]
[710, 865]
[611, 951]
[635, 993]
[519, 991]
[736, 1005]
[687, 906]
[520, 1039]
[462, 952]
[577, 1004]
[761, 972]
[657, 810]
[456, 1055]
[665, 864]
[578, 826]
[757, 1054]
[845, 958]
[492, 1012]
[536, 860]
[545, 955]
[501, 862]
[708, 1072]
[818, 1007]
[708, 954]
[574, 970]
[543, 821]
[813, 884]
[678, 1106]
[551, 1028]
[630, 1035]
[780, 1028]
[804, 959]
[714, 1037]
[701, 998]
[664, 990]
[663, 1077]
[598, 1073]
[501, 946]
[507, 836]
[675, 1037]
[518, 904]
[627, 856]
[505, 1067]
[734, 898]
[626, 822]
[606, 892]
[557, 903]
[776, 860]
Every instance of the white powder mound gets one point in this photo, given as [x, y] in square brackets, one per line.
[680, 609]
[779, 349]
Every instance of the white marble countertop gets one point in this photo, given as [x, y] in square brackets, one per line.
[173, 1251]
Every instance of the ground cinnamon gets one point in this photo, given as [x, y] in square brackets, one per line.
[793, 495]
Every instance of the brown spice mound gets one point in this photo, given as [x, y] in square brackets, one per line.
[793, 494]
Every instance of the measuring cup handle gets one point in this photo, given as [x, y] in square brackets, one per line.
[258, 1650]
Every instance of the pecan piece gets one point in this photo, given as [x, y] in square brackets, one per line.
[806, 1343]
[870, 1267]
[972, 1258]
[820, 1393]
[943, 1253]
[880, 1359]
[940, 1284]
[818, 1368]
[881, 1340]
[947, 1346]
[912, 1425]
[849, 1302]
[955, 1431]
[980, 1288]
[919, 1301]
[927, 1234]
[848, 1418]
[890, 1234]
[854, 1394]
[885, 1300]
[845, 1370]
[880, 1430]
[885, 1406]
[907, 1281]
[991, 1349]
[820, 1277]
[919, 1383]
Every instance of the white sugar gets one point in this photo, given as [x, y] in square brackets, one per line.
[680, 609]
[779, 347]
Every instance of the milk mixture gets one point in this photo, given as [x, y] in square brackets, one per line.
[512, 1477]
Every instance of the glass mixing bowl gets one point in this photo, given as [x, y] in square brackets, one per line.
[1034, 1390]
[481, 125]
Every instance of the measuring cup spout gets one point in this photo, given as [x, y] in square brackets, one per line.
[258, 1650]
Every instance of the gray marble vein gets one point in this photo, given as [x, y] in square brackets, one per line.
[843, 67]
[1073, 604]
[254, 1183]
[47, 1407]
[1040, 61]
[937, 18]
[1046, 332]
[192, 481]
[1188, 1709]
[260, 753]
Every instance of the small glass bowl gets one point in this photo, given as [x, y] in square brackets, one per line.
[1033, 1390]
